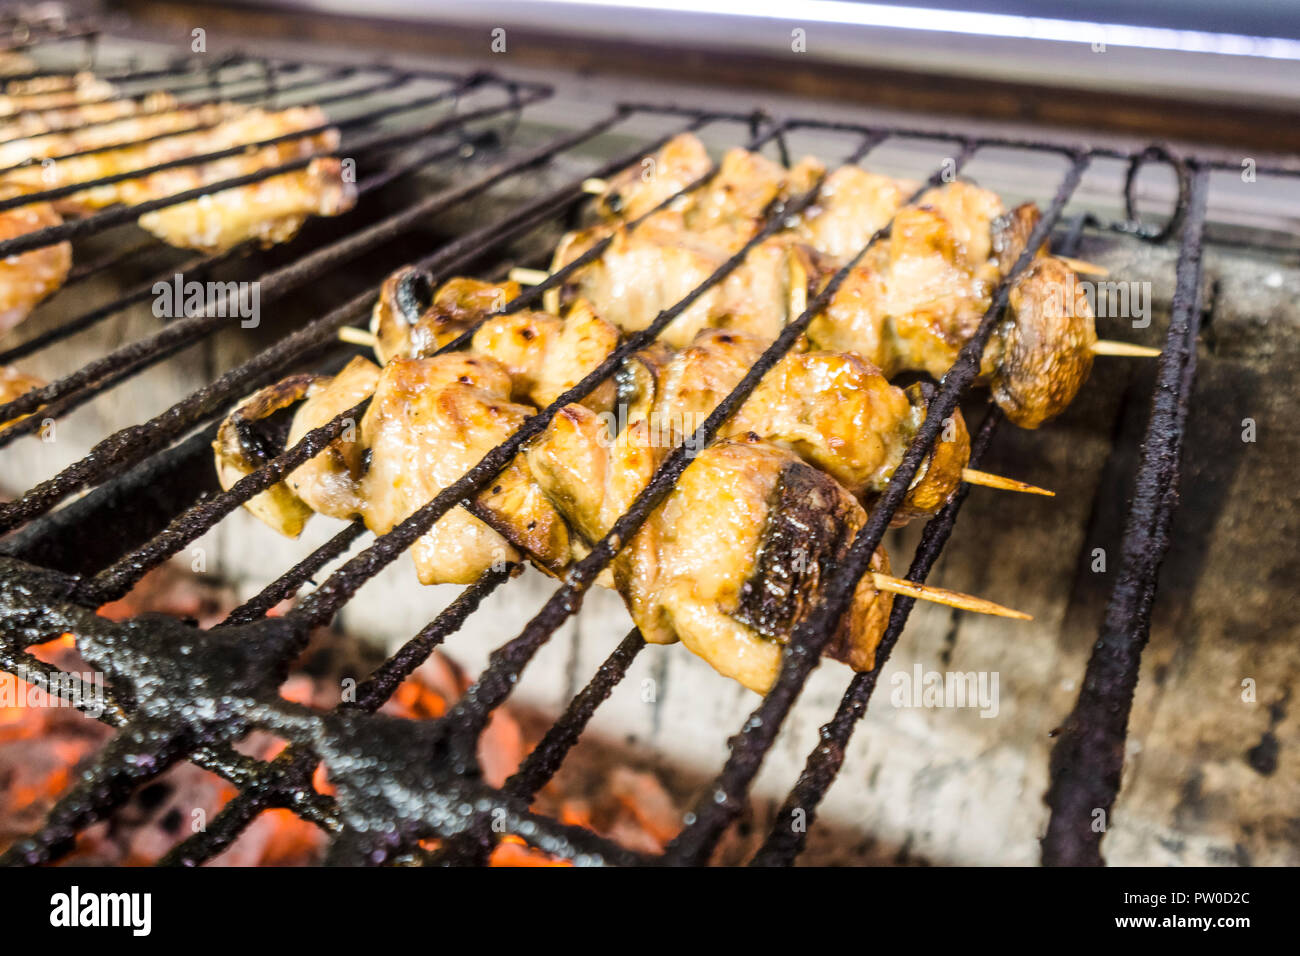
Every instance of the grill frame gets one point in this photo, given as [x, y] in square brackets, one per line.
[432, 763]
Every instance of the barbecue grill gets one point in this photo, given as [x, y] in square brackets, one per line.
[180, 693]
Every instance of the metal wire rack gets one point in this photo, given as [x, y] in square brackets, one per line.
[181, 693]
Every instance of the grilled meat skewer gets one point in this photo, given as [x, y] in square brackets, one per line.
[910, 305]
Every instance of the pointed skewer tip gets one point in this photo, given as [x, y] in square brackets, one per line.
[1111, 347]
[987, 480]
[926, 592]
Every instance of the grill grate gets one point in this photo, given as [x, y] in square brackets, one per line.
[182, 693]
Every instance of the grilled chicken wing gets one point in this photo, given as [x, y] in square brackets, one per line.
[29, 277]
[430, 421]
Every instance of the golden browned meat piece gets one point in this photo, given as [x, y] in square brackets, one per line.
[546, 356]
[651, 268]
[126, 130]
[15, 384]
[47, 93]
[638, 189]
[852, 205]
[728, 209]
[725, 209]
[268, 212]
[329, 483]
[29, 277]
[411, 320]
[836, 412]
[13, 63]
[253, 435]
[832, 409]
[916, 300]
[733, 559]
[430, 421]
[83, 114]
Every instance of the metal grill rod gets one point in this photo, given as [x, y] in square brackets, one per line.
[1088, 758]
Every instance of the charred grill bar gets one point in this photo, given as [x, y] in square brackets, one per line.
[180, 693]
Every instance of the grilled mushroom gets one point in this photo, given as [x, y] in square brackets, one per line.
[252, 435]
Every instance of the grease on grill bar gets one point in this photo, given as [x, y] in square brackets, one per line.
[182, 693]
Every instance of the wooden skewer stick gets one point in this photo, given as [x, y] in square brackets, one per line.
[989, 480]
[925, 592]
[594, 186]
[1111, 347]
[1085, 268]
[355, 336]
[528, 276]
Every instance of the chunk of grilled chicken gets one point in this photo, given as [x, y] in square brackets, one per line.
[47, 93]
[28, 278]
[725, 209]
[918, 299]
[329, 483]
[733, 559]
[833, 409]
[431, 420]
[15, 384]
[638, 189]
[852, 205]
[270, 210]
[544, 355]
[129, 129]
[653, 267]
[411, 320]
[39, 124]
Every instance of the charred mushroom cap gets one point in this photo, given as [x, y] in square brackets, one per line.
[1042, 349]
[939, 476]
[403, 298]
[252, 435]
[810, 527]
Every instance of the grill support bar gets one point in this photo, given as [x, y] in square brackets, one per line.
[1088, 758]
